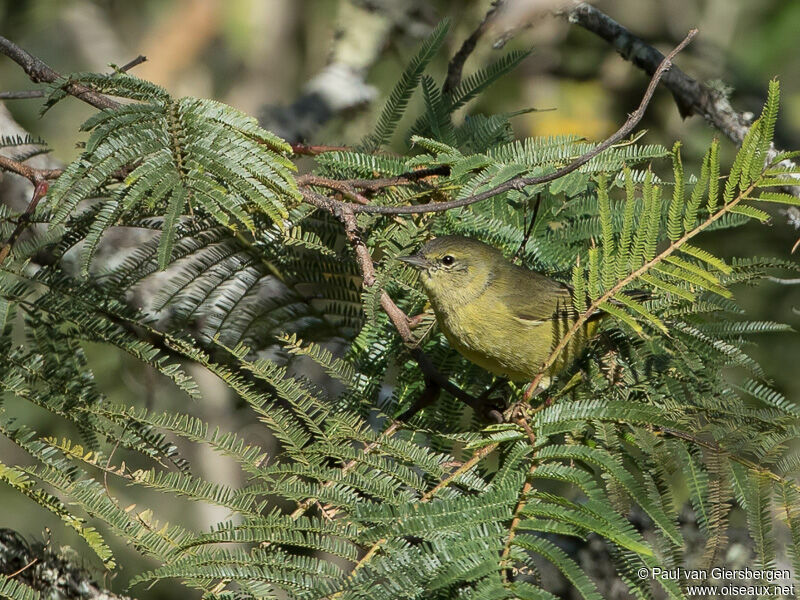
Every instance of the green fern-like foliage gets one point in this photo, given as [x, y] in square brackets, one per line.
[173, 157]
[664, 409]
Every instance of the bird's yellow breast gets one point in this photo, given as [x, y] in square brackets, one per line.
[488, 334]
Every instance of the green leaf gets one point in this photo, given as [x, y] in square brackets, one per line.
[398, 99]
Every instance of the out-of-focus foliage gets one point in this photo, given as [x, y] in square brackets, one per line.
[382, 514]
[229, 294]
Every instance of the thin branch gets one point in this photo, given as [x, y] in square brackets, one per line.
[23, 95]
[456, 66]
[402, 179]
[714, 447]
[795, 281]
[314, 149]
[30, 173]
[691, 96]
[476, 458]
[620, 285]
[24, 568]
[27, 94]
[517, 518]
[520, 183]
[41, 72]
[133, 63]
[345, 188]
[38, 193]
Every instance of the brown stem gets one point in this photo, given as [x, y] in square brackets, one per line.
[30, 173]
[38, 193]
[595, 306]
[22, 95]
[520, 183]
[40, 72]
[133, 63]
[314, 149]
[456, 66]
[344, 187]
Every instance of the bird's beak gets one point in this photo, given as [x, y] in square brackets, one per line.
[416, 261]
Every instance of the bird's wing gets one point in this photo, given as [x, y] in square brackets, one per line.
[532, 297]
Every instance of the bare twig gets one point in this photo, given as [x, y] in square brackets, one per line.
[402, 179]
[345, 188]
[520, 183]
[32, 174]
[516, 519]
[41, 72]
[27, 94]
[38, 193]
[135, 62]
[23, 95]
[795, 281]
[691, 96]
[456, 66]
[23, 569]
[313, 150]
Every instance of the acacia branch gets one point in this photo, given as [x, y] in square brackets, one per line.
[40, 72]
[520, 183]
[691, 96]
[620, 285]
[315, 149]
[21, 95]
[32, 174]
[427, 497]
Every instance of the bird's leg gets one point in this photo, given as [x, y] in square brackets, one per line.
[413, 322]
[428, 396]
[491, 389]
[492, 408]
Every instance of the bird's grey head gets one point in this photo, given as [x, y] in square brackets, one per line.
[453, 265]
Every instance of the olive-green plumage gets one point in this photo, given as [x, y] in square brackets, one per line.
[504, 318]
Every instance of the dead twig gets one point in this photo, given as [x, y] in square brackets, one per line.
[32, 174]
[22, 95]
[40, 72]
[520, 183]
[38, 193]
[691, 96]
[456, 66]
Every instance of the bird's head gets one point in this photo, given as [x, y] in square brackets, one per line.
[454, 269]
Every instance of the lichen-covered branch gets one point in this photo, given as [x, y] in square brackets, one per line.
[691, 96]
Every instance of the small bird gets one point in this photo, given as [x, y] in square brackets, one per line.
[502, 317]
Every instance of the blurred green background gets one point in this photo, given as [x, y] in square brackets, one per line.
[260, 54]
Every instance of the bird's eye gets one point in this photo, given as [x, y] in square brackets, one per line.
[448, 260]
